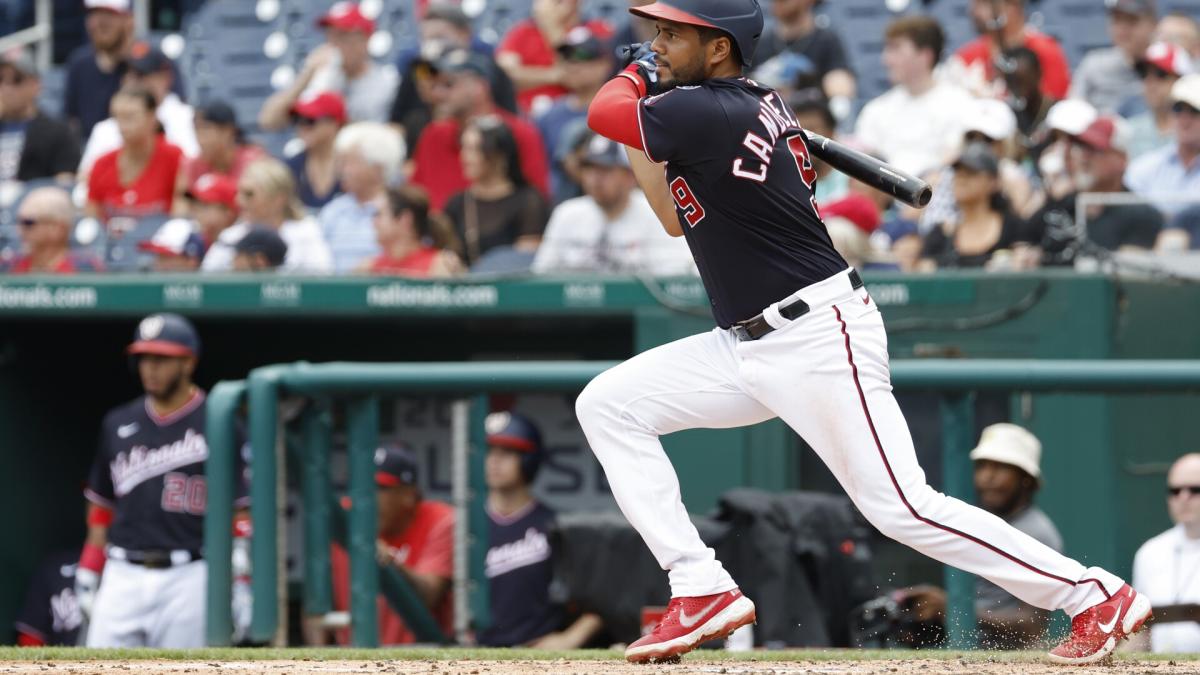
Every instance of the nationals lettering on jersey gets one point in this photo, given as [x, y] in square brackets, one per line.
[519, 569]
[739, 171]
[150, 471]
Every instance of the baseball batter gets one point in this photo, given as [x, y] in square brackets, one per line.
[797, 337]
[148, 495]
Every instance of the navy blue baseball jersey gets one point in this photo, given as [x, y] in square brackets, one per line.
[739, 171]
[149, 470]
[519, 570]
[51, 613]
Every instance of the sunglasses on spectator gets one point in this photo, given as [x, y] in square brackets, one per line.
[15, 81]
[1179, 107]
[28, 222]
[1193, 490]
[1157, 73]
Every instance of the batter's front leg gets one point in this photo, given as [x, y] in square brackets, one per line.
[828, 379]
[685, 384]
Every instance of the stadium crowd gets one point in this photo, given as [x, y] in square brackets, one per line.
[467, 157]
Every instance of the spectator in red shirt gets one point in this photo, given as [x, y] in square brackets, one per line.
[223, 147]
[415, 242]
[46, 217]
[416, 538]
[527, 52]
[464, 94]
[979, 56]
[145, 176]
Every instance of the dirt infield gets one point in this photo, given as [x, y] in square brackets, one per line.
[689, 666]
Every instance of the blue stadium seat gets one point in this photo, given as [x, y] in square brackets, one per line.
[120, 249]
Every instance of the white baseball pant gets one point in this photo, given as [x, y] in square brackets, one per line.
[826, 375]
[140, 607]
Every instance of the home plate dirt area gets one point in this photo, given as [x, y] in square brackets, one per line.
[508, 662]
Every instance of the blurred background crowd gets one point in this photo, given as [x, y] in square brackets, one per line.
[432, 138]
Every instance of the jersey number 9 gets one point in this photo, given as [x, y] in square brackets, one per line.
[693, 212]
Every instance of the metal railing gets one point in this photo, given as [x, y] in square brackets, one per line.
[361, 385]
[40, 34]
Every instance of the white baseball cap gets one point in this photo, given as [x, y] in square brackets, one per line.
[1071, 116]
[1187, 90]
[121, 6]
[992, 118]
[1010, 444]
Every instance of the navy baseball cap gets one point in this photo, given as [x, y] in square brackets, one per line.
[265, 241]
[395, 465]
[145, 58]
[165, 335]
[601, 151]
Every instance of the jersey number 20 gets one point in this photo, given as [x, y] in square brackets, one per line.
[184, 494]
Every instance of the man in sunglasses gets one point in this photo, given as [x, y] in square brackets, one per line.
[32, 145]
[1172, 172]
[1167, 567]
[46, 217]
[1160, 68]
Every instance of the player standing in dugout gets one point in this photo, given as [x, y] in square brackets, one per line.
[142, 577]
[797, 337]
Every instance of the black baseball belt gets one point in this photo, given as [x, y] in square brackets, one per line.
[155, 559]
[756, 327]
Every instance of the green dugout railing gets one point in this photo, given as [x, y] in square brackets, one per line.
[361, 385]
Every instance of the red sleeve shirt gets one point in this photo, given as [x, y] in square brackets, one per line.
[151, 193]
[439, 170]
[1056, 73]
[526, 41]
[425, 547]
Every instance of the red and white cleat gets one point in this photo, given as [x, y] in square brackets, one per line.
[691, 621]
[1096, 631]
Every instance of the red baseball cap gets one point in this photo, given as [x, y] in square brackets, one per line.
[347, 16]
[1106, 133]
[1166, 57]
[215, 188]
[856, 208]
[325, 104]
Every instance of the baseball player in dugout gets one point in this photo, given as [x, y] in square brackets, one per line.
[724, 164]
[141, 576]
[519, 565]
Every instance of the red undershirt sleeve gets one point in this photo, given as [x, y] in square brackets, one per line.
[613, 113]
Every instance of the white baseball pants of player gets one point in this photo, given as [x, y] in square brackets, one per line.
[140, 607]
[826, 375]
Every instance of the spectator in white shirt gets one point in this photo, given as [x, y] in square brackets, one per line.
[1167, 567]
[342, 65]
[150, 68]
[267, 199]
[1106, 77]
[612, 227]
[916, 124]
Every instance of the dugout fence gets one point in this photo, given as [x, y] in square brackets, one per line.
[361, 385]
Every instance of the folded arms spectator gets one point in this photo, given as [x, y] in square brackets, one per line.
[32, 145]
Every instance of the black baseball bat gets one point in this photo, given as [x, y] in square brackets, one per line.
[879, 175]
